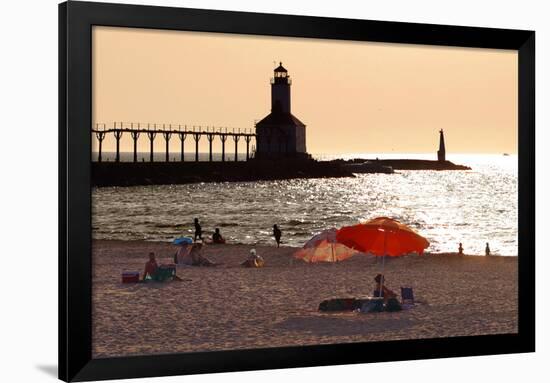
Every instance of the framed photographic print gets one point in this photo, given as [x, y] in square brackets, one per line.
[245, 191]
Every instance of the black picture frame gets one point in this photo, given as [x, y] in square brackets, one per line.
[75, 267]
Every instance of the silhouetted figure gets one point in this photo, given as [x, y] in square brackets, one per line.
[217, 237]
[198, 229]
[487, 249]
[460, 249]
[277, 234]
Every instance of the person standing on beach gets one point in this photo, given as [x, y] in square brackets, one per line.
[198, 230]
[460, 249]
[277, 234]
[487, 250]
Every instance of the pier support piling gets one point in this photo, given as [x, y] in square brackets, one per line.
[210, 138]
[151, 135]
[118, 135]
[247, 139]
[196, 137]
[167, 136]
[100, 137]
[135, 136]
[236, 139]
[223, 138]
[182, 136]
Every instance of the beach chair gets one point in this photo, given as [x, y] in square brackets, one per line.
[407, 296]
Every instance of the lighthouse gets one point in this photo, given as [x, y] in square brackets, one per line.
[280, 134]
[441, 151]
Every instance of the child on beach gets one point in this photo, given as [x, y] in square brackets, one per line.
[198, 229]
[460, 249]
[487, 250]
[217, 237]
[277, 234]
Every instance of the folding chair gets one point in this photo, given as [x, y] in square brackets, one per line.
[407, 296]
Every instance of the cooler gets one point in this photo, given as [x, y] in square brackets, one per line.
[130, 277]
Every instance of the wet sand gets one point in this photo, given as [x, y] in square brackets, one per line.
[230, 307]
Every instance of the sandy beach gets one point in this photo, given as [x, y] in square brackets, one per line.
[230, 307]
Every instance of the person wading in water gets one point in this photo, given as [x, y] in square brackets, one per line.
[198, 230]
[277, 234]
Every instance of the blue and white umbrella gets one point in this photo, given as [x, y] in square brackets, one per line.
[183, 241]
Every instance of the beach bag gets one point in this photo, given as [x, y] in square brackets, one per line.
[393, 305]
[338, 304]
[372, 306]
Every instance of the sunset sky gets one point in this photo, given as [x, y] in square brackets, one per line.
[354, 97]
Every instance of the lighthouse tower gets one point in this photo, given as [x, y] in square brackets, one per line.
[441, 151]
[280, 134]
[280, 90]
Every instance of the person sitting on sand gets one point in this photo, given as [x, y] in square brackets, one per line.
[386, 293]
[487, 250]
[217, 237]
[254, 260]
[390, 298]
[198, 230]
[277, 234]
[460, 249]
[150, 267]
[182, 256]
[197, 259]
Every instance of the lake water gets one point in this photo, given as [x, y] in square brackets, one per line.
[447, 207]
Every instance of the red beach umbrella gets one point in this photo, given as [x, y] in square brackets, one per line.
[324, 248]
[382, 236]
